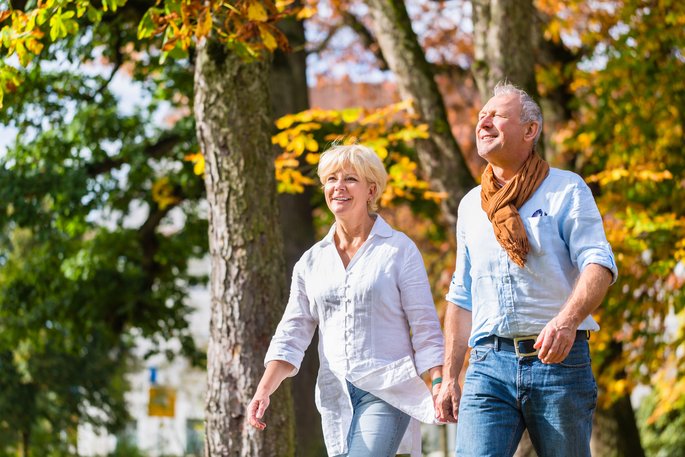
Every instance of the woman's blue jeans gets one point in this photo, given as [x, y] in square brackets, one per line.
[504, 394]
[377, 427]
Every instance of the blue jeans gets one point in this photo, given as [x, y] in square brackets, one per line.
[377, 427]
[504, 394]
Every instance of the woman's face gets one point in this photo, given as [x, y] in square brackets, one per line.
[347, 193]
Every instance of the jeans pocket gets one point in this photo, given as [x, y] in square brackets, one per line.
[576, 359]
[479, 354]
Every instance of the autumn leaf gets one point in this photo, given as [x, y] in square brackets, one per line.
[204, 23]
[256, 12]
[267, 38]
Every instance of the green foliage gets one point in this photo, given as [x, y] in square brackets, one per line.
[661, 436]
[99, 219]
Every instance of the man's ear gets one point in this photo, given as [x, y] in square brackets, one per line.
[531, 131]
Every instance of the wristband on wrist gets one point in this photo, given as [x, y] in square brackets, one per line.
[436, 381]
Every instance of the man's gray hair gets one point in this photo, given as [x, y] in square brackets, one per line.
[530, 110]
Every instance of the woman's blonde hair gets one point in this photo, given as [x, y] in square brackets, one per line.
[362, 159]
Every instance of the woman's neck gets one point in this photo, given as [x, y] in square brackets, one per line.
[355, 231]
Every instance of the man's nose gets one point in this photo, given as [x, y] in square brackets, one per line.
[485, 121]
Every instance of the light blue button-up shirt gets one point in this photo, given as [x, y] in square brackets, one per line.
[565, 234]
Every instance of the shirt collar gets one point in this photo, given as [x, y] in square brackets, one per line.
[380, 228]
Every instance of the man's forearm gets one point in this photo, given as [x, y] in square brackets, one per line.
[457, 331]
[587, 295]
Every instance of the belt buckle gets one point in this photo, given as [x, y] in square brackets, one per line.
[524, 354]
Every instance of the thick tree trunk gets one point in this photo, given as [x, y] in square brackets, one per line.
[289, 94]
[440, 155]
[248, 289]
[503, 44]
[504, 34]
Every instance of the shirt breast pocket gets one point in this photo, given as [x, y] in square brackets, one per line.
[330, 304]
[541, 232]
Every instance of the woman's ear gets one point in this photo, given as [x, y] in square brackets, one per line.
[372, 191]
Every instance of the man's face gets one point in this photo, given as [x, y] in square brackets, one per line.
[500, 133]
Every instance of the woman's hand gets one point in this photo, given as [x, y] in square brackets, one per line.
[276, 371]
[256, 410]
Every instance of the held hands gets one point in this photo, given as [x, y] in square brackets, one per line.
[447, 401]
[555, 341]
[256, 409]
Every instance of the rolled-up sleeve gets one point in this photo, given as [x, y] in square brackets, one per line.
[584, 232]
[417, 302]
[459, 292]
[297, 326]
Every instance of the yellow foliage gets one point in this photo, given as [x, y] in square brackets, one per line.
[256, 12]
[267, 38]
[312, 159]
[382, 129]
[306, 12]
[163, 193]
[437, 197]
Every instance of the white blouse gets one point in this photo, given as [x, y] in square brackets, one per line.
[378, 329]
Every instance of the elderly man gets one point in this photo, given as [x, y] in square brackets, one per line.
[532, 263]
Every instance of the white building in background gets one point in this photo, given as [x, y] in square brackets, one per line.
[155, 436]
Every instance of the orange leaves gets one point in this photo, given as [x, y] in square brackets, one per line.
[247, 26]
[198, 161]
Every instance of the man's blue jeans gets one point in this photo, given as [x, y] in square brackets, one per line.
[377, 427]
[504, 394]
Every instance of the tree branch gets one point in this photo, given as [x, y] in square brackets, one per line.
[154, 151]
[366, 37]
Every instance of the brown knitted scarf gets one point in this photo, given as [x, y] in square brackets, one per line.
[501, 204]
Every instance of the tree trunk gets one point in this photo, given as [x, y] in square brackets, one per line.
[289, 94]
[247, 283]
[615, 432]
[503, 44]
[440, 155]
[25, 451]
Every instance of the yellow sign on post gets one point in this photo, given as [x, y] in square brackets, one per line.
[162, 402]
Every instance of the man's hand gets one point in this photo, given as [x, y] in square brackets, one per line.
[447, 401]
[256, 409]
[555, 341]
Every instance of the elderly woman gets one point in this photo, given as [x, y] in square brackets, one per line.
[365, 287]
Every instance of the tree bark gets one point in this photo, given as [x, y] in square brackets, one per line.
[615, 432]
[503, 44]
[247, 283]
[289, 94]
[440, 155]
